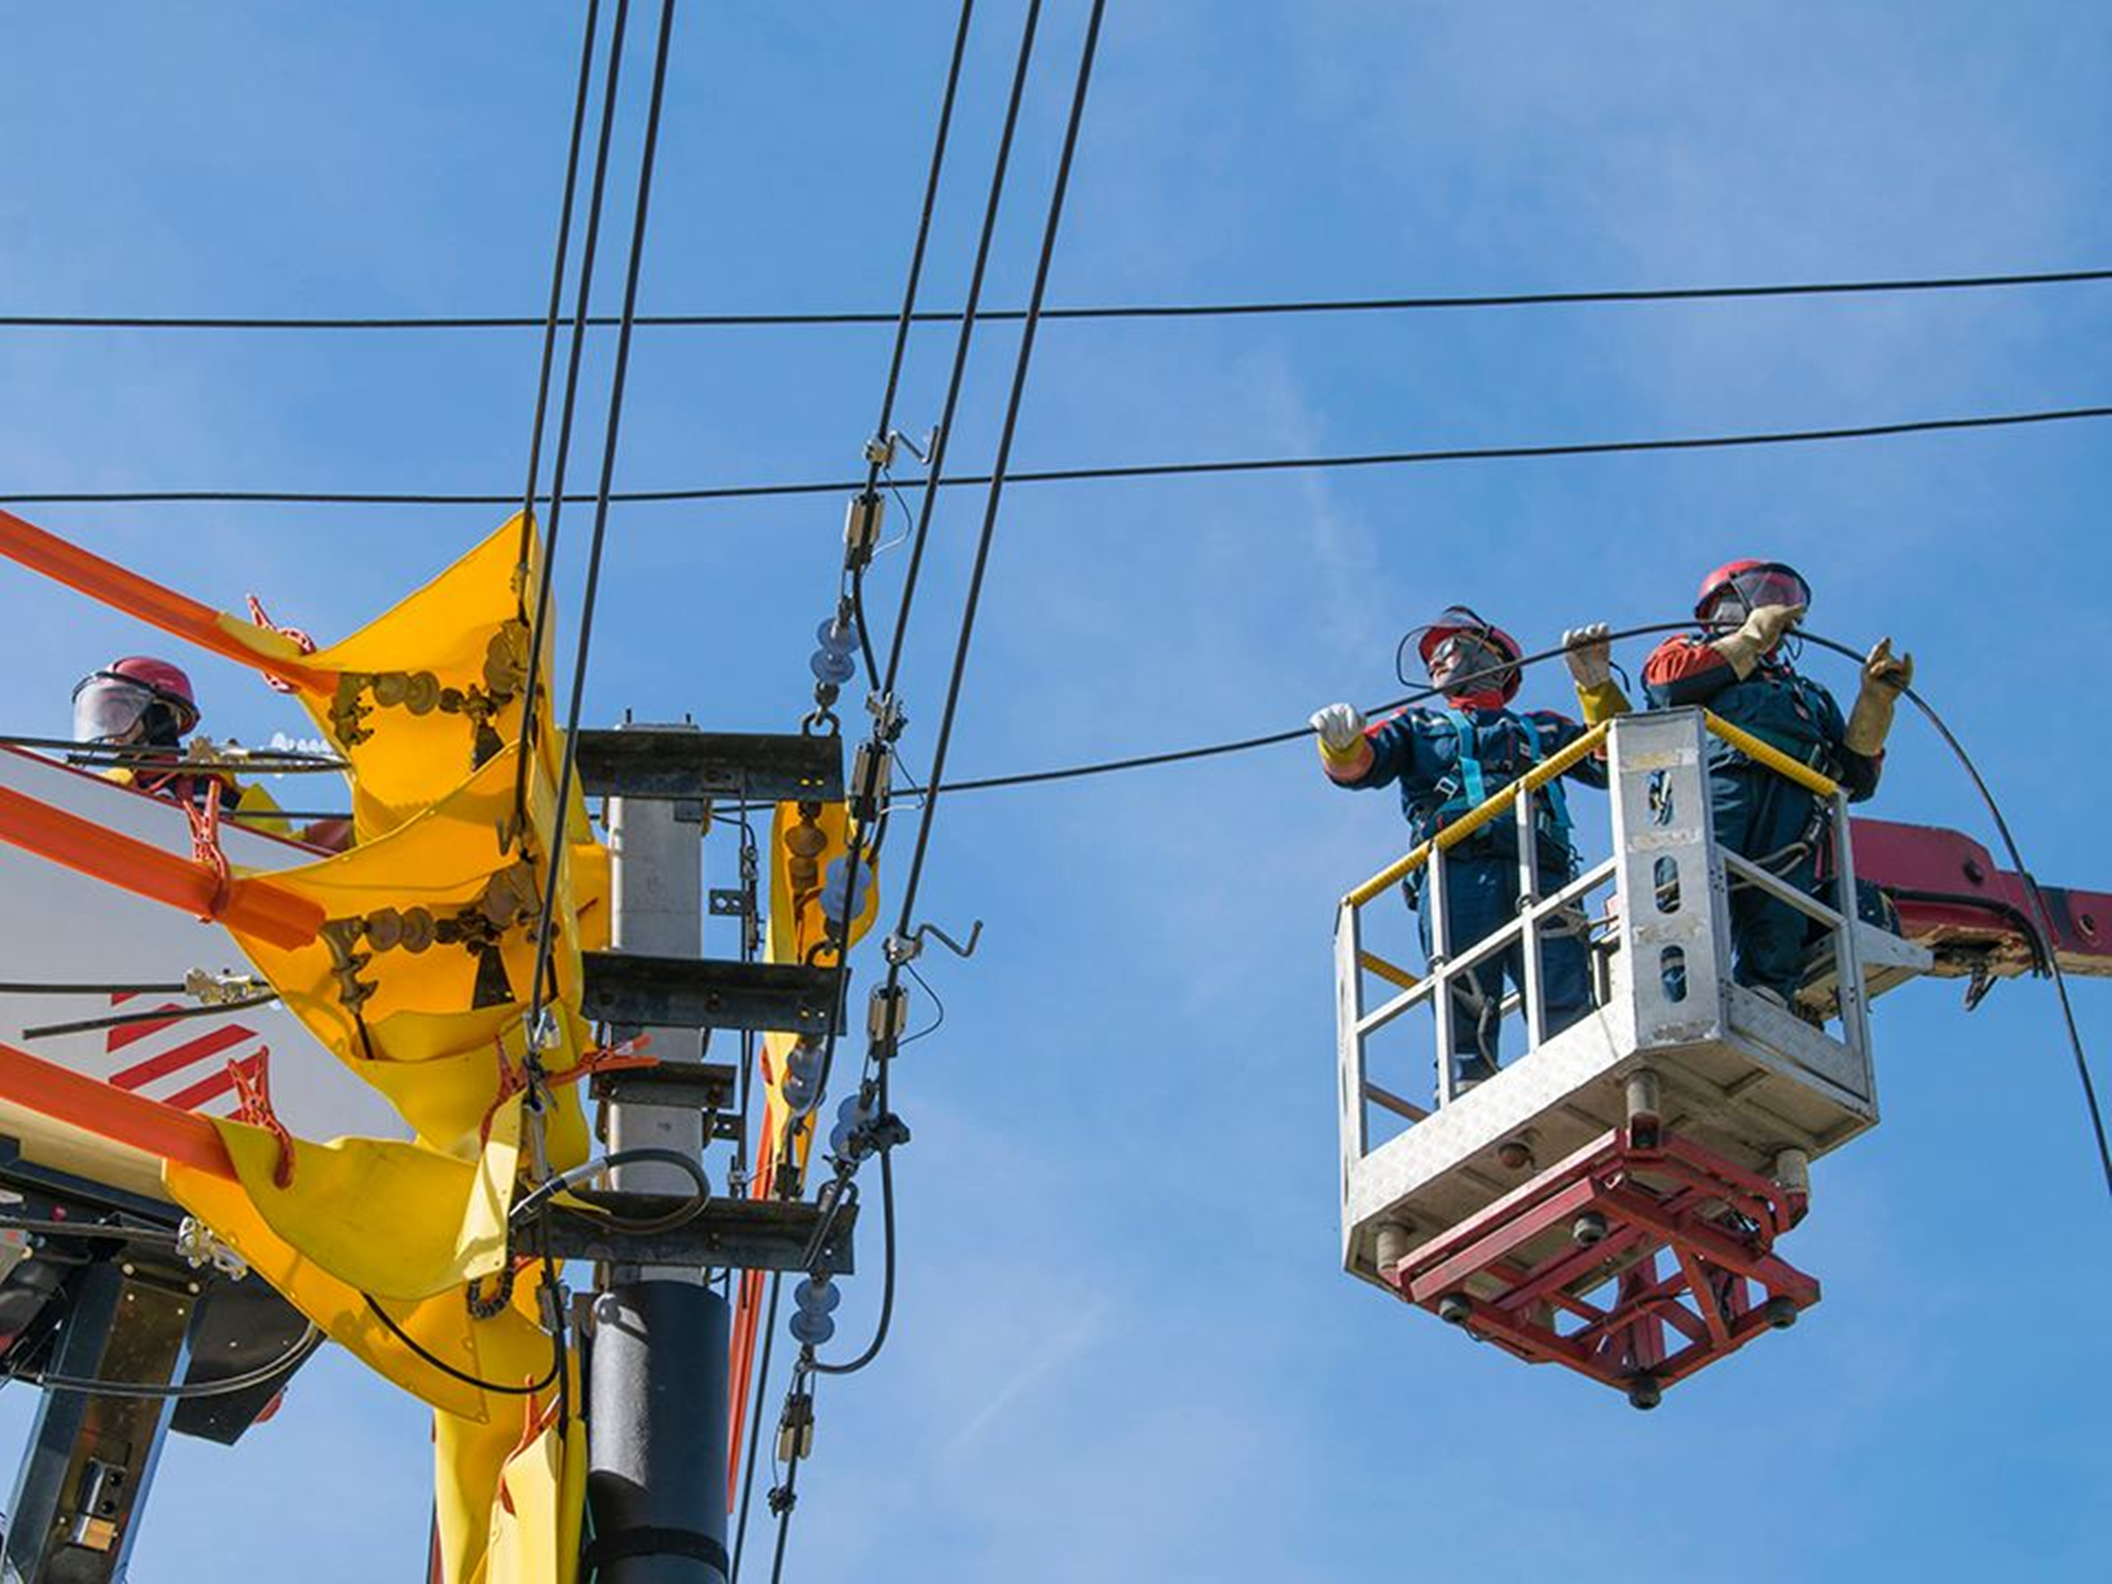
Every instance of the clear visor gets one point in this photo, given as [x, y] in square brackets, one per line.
[1463, 655]
[108, 709]
[1749, 591]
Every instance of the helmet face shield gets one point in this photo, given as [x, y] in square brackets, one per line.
[109, 709]
[1745, 592]
[1472, 661]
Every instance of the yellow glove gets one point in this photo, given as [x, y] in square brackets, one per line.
[1763, 629]
[1885, 677]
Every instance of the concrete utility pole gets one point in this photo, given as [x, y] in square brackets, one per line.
[657, 1383]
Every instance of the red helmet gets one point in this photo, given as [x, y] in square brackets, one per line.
[1756, 582]
[1460, 622]
[109, 703]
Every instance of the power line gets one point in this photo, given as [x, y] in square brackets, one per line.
[1117, 471]
[1216, 310]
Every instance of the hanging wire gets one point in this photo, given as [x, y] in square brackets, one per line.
[589, 249]
[569, 765]
[1076, 475]
[1247, 309]
[858, 847]
[160, 1391]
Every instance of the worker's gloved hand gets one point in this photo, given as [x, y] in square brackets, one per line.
[1340, 728]
[1885, 677]
[1883, 669]
[1588, 651]
[1761, 631]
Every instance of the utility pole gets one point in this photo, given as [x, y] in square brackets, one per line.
[657, 1387]
[657, 1381]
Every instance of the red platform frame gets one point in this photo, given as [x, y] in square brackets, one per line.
[1520, 1269]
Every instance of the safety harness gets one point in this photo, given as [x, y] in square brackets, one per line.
[1470, 784]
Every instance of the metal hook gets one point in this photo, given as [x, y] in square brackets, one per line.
[902, 949]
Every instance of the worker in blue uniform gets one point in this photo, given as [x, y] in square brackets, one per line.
[1737, 666]
[1446, 762]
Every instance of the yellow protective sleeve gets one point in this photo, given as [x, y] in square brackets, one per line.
[798, 927]
[392, 1218]
[458, 637]
[415, 1029]
[508, 1348]
[1602, 701]
[539, 1511]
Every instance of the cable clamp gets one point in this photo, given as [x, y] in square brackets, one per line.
[888, 715]
[795, 1438]
[880, 450]
[199, 1247]
[862, 520]
[901, 949]
[209, 989]
[869, 780]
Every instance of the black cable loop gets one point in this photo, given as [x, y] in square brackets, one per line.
[1077, 475]
[557, 1362]
[1248, 309]
[155, 1391]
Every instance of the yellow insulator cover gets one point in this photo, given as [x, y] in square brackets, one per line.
[420, 976]
[510, 1348]
[448, 660]
[391, 1217]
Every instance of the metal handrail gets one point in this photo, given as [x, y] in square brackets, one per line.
[1470, 822]
[1766, 753]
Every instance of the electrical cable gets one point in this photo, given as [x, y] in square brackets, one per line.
[293, 1358]
[268, 762]
[89, 1229]
[563, 249]
[984, 539]
[1076, 475]
[550, 1187]
[755, 1427]
[557, 1362]
[887, 1275]
[1256, 308]
[934, 469]
[2031, 891]
[568, 404]
[569, 765]
[158, 1015]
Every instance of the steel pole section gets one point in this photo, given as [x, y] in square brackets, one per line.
[657, 1373]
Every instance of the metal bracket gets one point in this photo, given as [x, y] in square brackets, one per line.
[730, 902]
[636, 990]
[747, 1234]
[767, 767]
[707, 1087]
[902, 949]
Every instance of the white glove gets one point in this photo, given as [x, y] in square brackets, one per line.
[1340, 726]
[1588, 650]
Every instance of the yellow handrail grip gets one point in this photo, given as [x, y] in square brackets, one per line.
[1546, 770]
[1766, 753]
[1392, 973]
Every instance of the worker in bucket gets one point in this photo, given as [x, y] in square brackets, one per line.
[1446, 762]
[1741, 666]
[148, 705]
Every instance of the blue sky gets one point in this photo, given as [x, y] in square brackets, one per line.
[1124, 1348]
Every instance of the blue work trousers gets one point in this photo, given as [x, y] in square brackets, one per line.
[1759, 816]
[1481, 896]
